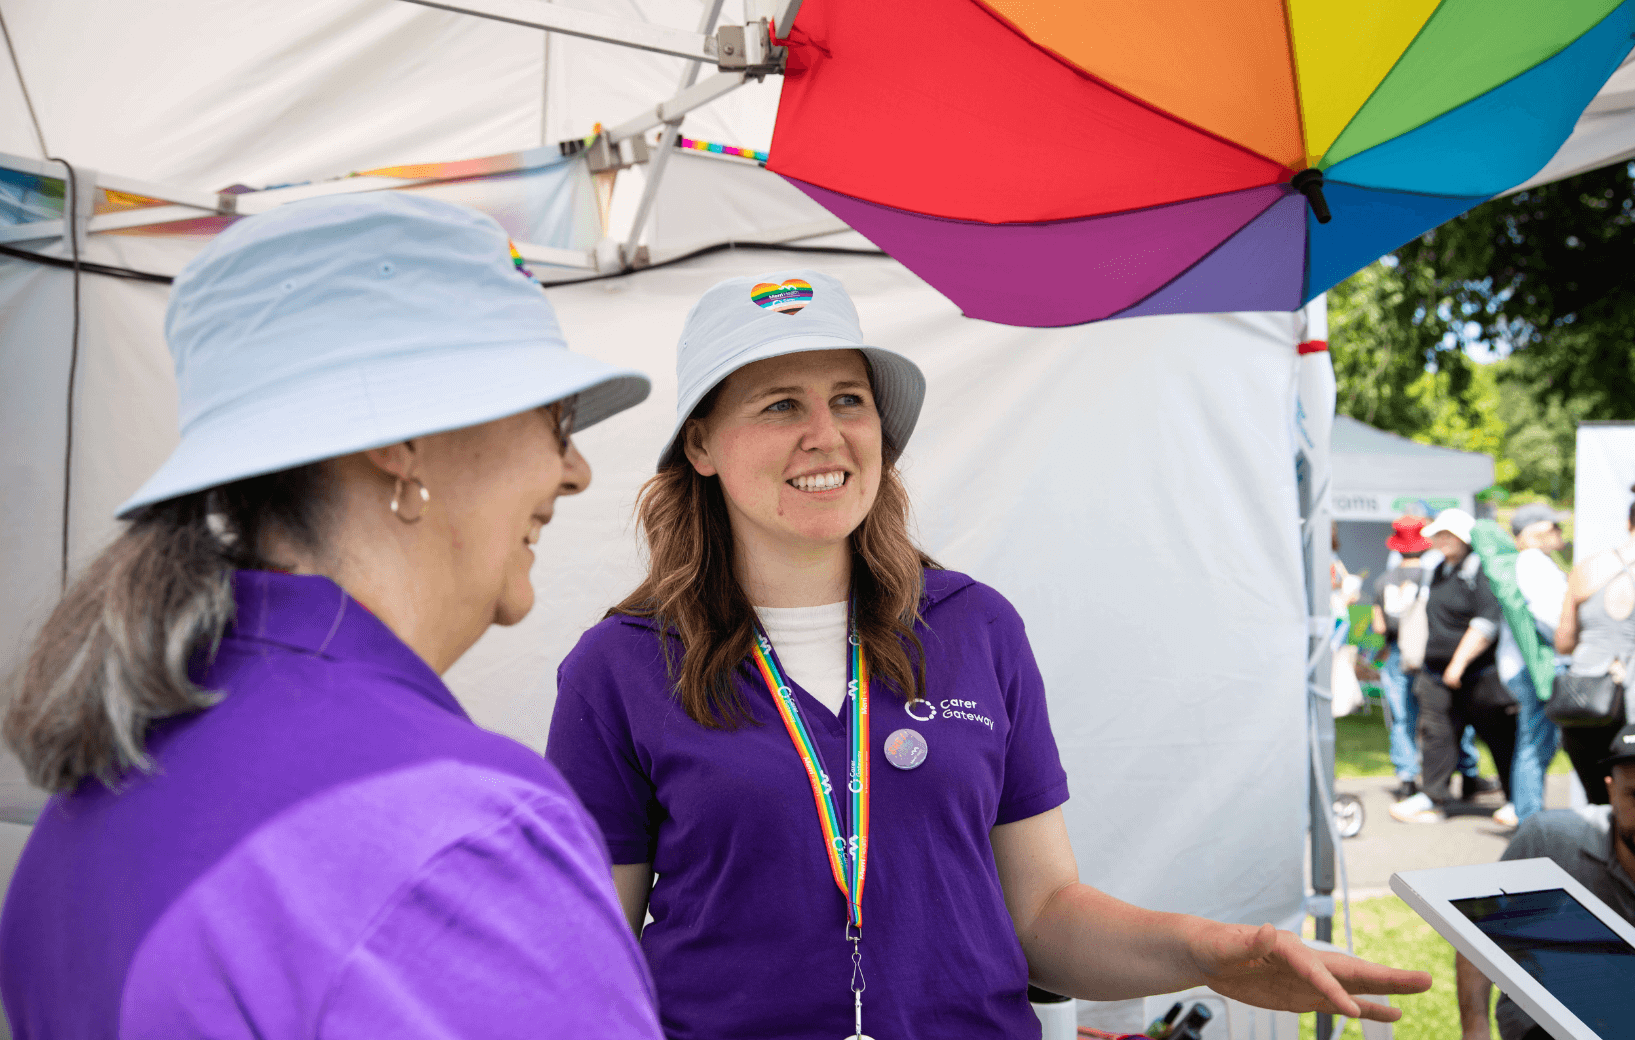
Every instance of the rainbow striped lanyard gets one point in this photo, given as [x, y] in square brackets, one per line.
[848, 850]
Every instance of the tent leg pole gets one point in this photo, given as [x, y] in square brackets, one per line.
[632, 251]
[1322, 855]
[1312, 482]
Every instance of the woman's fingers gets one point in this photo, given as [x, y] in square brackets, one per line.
[1311, 968]
[1379, 1012]
[1360, 976]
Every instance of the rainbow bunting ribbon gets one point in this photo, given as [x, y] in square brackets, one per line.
[722, 149]
[848, 849]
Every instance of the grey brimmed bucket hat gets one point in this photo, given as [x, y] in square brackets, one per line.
[744, 320]
[339, 324]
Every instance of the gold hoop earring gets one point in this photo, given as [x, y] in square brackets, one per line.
[397, 498]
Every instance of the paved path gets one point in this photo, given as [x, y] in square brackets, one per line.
[1386, 846]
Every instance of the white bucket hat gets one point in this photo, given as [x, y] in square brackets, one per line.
[744, 320]
[1456, 522]
[340, 324]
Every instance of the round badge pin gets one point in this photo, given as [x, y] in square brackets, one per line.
[905, 749]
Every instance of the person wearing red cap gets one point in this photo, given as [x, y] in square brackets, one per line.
[1394, 592]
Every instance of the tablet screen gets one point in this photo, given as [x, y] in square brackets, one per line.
[1583, 963]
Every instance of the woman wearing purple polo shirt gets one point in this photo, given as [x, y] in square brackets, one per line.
[272, 818]
[834, 754]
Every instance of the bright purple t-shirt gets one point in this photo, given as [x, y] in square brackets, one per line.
[747, 933]
[334, 850]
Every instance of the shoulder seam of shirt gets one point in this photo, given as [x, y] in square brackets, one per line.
[390, 904]
[1043, 791]
[955, 585]
[596, 719]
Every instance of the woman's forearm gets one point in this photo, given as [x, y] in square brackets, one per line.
[1471, 645]
[1567, 630]
[1085, 943]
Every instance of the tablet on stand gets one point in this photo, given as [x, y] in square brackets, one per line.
[1544, 939]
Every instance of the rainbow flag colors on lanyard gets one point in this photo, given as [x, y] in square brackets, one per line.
[847, 849]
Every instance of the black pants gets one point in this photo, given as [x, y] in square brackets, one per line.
[1482, 702]
[1586, 746]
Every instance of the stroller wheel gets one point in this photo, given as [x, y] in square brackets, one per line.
[1348, 815]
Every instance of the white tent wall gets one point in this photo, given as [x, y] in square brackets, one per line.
[1603, 474]
[704, 199]
[1605, 133]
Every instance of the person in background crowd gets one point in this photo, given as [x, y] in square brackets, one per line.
[272, 818]
[1543, 587]
[1345, 669]
[1598, 629]
[797, 699]
[1596, 845]
[1393, 593]
[1459, 684]
[1345, 588]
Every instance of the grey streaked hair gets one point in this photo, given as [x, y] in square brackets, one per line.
[119, 650]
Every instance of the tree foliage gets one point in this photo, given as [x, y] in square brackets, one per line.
[1550, 274]
[1546, 276]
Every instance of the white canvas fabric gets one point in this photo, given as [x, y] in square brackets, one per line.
[338, 324]
[1604, 472]
[1371, 460]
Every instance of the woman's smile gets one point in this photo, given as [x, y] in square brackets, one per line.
[819, 483]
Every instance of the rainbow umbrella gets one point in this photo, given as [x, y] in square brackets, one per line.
[1051, 163]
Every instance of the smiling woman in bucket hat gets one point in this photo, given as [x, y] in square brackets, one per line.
[272, 818]
[835, 755]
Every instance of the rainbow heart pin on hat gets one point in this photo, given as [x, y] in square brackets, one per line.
[787, 298]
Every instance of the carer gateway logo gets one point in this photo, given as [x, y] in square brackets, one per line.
[951, 709]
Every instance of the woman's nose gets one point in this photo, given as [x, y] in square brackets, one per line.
[575, 471]
[822, 433]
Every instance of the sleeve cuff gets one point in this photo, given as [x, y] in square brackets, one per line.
[1033, 805]
[1483, 626]
[625, 853]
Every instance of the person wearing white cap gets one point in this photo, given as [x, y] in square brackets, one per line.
[835, 755]
[272, 817]
[1459, 683]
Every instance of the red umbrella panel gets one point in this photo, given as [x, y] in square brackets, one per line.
[1049, 164]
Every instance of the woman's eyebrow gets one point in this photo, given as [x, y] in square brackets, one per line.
[793, 391]
[796, 391]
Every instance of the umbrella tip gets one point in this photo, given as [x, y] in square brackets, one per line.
[1309, 183]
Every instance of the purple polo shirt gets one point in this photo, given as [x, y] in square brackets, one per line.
[746, 939]
[334, 850]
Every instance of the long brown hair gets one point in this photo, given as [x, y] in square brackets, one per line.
[691, 587]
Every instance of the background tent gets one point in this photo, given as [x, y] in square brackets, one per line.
[1132, 486]
[1604, 473]
[1379, 476]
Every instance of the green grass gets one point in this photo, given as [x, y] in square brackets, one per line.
[1362, 747]
[1385, 930]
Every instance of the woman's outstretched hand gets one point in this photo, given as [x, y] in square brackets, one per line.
[1272, 969]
